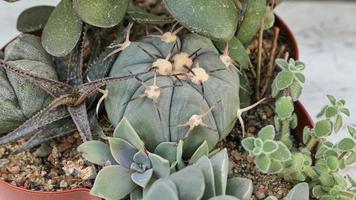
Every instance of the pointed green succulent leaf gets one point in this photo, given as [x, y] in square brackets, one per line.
[339, 122]
[207, 168]
[306, 135]
[214, 19]
[248, 144]
[185, 179]
[224, 197]
[346, 111]
[282, 64]
[62, 31]
[269, 146]
[96, 152]
[125, 131]
[299, 192]
[330, 112]
[142, 159]
[220, 164]
[240, 188]
[167, 150]
[284, 79]
[179, 157]
[254, 14]
[332, 162]
[113, 182]
[160, 166]
[323, 128]
[162, 189]
[203, 150]
[142, 179]
[284, 107]
[282, 153]
[263, 162]
[332, 99]
[352, 131]
[122, 151]
[33, 19]
[104, 13]
[267, 133]
[269, 18]
[346, 144]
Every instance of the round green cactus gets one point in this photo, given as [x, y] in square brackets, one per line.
[189, 93]
[19, 99]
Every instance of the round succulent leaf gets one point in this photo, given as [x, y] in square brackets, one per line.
[346, 144]
[203, 150]
[323, 128]
[269, 18]
[240, 188]
[139, 15]
[125, 131]
[33, 19]
[282, 64]
[332, 162]
[162, 189]
[299, 192]
[167, 150]
[284, 79]
[327, 180]
[330, 152]
[284, 107]
[113, 182]
[237, 51]
[318, 191]
[263, 163]
[160, 166]
[256, 151]
[142, 179]
[185, 179]
[269, 147]
[254, 14]
[220, 163]
[122, 151]
[300, 77]
[248, 144]
[213, 19]
[321, 167]
[258, 142]
[294, 121]
[62, 31]
[104, 13]
[207, 168]
[282, 153]
[267, 133]
[96, 152]
[296, 91]
[142, 158]
[275, 167]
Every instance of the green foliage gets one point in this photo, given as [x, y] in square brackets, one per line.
[140, 15]
[33, 19]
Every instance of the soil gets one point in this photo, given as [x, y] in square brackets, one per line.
[58, 166]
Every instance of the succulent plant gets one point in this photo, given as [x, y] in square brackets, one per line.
[190, 93]
[270, 154]
[298, 192]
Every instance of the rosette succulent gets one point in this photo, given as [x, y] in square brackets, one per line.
[190, 94]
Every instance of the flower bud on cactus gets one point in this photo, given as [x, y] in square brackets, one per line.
[20, 99]
[189, 94]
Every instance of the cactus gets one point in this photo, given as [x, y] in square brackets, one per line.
[189, 94]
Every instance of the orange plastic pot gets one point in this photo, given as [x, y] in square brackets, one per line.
[10, 192]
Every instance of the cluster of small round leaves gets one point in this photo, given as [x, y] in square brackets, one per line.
[290, 78]
[270, 154]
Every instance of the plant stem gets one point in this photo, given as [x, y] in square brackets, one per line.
[311, 143]
[259, 61]
[285, 127]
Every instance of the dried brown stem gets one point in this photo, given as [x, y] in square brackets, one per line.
[271, 65]
[259, 61]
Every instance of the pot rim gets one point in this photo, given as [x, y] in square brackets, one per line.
[300, 110]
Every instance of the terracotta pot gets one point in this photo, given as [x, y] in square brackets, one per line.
[10, 192]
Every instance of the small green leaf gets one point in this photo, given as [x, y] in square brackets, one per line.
[125, 131]
[331, 99]
[223, 197]
[263, 162]
[275, 167]
[62, 31]
[294, 121]
[321, 167]
[248, 144]
[141, 16]
[282, 153]
[179, 157]
[269, 18]
[220, 164]
[113, 182]
[203, 150]
[284, 79]
[327, 179]
[306, 135]
[345, 111]
[269, 147]
[214, 19]
[240, 188]
[299, 192]
[330, 112]
[322, 112]
[160, 166]
[352, 131]
[162, 189]
[142, 179]
[96, 152]
[258, 143]
[338, 123]
[256, 151]
[104, 13]
[282, 64]
[296, 90]
[33, 19]
[318, 191]
[267, 133]
[346, 144]
[207, 168]
[300, 77]
[323, 128]
[167, 150]
[122, 151]
[284, 107]
[332, 162]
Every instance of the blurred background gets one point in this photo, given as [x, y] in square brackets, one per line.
[325, 31]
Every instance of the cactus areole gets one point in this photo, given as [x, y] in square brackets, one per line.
[189, 92]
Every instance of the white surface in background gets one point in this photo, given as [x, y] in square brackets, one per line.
[325, 31]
